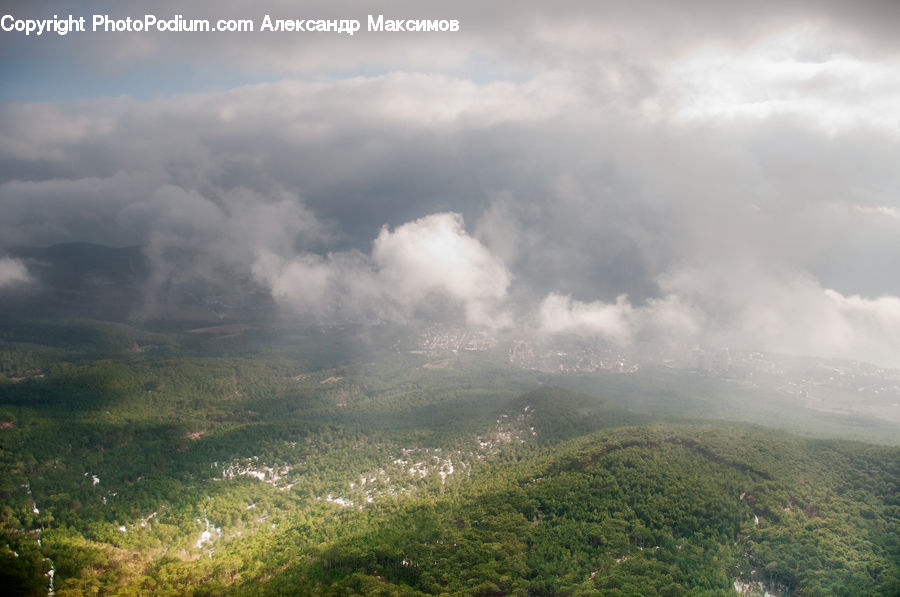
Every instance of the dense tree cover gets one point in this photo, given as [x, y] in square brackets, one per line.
[637, 511]
[202, 465]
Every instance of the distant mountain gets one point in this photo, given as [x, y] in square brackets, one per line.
[120, 284]
[78, 280]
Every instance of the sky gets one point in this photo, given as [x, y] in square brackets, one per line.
[675, 174]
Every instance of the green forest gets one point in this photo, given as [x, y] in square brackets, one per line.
[335, 461]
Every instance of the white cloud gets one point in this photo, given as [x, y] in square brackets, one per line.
[418, 267]
[12, 272]
[666, 322]
[305, 282]
[561, 314]
[743, 306]
[871, 326]
[791, 75]
[788, 311]
[435, 255]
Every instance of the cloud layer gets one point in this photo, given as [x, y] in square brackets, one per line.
[703, 175]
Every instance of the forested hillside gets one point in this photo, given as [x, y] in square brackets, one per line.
[231, 461]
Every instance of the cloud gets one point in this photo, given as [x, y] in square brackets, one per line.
[612, 42]
[746, 308]
[703, 173]
[12, 273]
[786, 310]
[559, 314]
[344, 212]
[309, 284]
[787, 74]
[422, 267]
[665, 323]
[873, 325]
[434, 254]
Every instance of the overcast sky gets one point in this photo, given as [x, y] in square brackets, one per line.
[698, 172]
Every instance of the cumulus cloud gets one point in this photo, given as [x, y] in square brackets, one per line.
[311, 284]
[421, 267]
[559, 314]
[667, 323]
[435, 255]
[12, 273]
[747, 308]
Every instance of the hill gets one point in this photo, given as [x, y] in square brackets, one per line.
[202, 464]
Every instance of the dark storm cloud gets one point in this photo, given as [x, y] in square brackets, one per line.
[685, 174]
